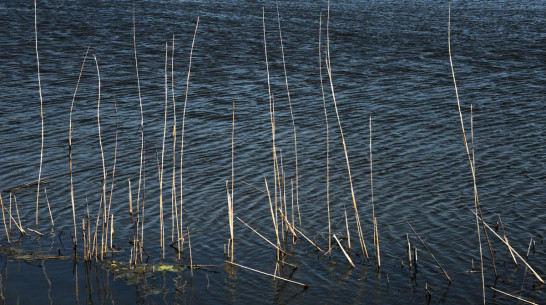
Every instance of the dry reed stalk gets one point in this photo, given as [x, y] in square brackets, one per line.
[41, 108]
[309, 240]
[49, 209]
[348, 232]
[183, 126]
[142, 164]
[19, 227]
[516, 297]
[472, 168]
[17, 210]
[4, 218]
[113, 170]
[327, 137]
[10, 194]
[111, 230]
[232, 178]
[174, 207]
[130, 200]
[103, 162]
[267, 240]
[70, 131]
[476, 203]
[506, 239]
[329, 69]
[512, 250]
[428, 250]
[189, 247]
[275, 224]
[289, 227]
[230, 220]
[161, 217]
[375, 231]
[409, 251]
[291, 113]
[272, 275]
[346, 255]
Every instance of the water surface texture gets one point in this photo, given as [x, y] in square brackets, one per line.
[389, 61]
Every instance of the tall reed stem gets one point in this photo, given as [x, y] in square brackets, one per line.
[329, 68]
[41, 109]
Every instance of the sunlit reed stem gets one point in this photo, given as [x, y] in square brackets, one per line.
[183, 127]
[329, 68]
[41, 110]
[161, 217]
[4, 218]
[70, 131]
[49, 209]
[291, 113]
[327, 136]
[174, 207]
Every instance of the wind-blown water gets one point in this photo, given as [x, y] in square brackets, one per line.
[389, 60]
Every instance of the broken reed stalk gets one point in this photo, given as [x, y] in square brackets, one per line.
[327, 137]
[348, 232]
[103, 163]
[375, 231]
[41, 108]
[291, 113]
[512, 250]
[189, 247]
[140, 176]
[329, 69]
[70, 131]
[4, 218]
[409, 251]
[309, 240]
[506, 239]
[476, 203]
[17, 211]
[174, 206]
[346, 255]
[272, 275]
[183, 127]
[161, 217]
[267, 240]
[428, 250]
[472, 168]
[49, 209]
[514, 296]
[19, 227]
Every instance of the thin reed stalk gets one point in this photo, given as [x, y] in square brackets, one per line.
[375, 232]
[267, 240]
[4, 218]
[327, 136]
[161, 217]
[472, 168]
[49, 209]
[140, 174]
[174, 207]
[41, 109]
[476, 203]
[272, 275]
[103, 162]
[345, 253]
[70, 131]
[183, 128]
[275, 224]
[291, 112]
[428, 250]
[504, 241]
[230, 220]
[514, 296]
[329, 69]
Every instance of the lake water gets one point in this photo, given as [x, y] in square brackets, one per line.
[389, 61]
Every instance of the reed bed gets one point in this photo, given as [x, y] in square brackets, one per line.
[95, 246]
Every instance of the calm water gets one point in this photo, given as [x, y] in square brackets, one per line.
[389, 60]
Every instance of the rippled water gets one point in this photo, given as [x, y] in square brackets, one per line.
[389, 60]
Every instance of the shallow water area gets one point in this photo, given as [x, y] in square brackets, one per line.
[389, 61]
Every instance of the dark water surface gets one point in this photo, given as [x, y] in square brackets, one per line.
[389, 60]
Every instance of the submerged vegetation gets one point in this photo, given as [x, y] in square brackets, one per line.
[93, 237]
